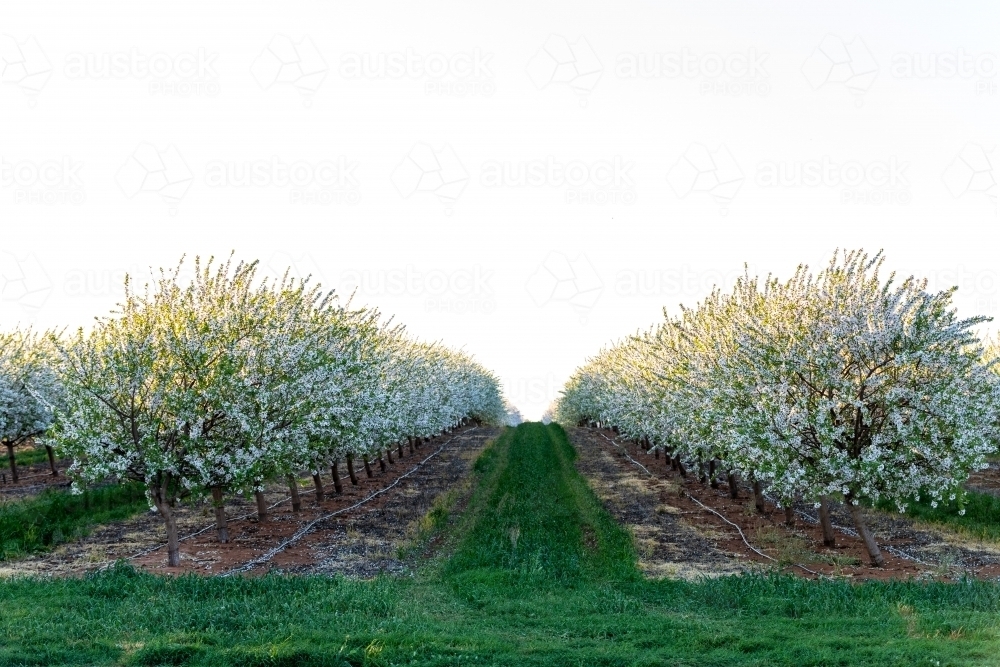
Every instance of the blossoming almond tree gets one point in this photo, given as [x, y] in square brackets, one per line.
[253, 366]
[189, 388]
[867, 388]
[834, 385]
[29, 391]
[118, 423]
[227, 382]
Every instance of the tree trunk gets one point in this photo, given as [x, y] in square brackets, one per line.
[381, 462]
[680, 466]
[13, 462]
[52, 460]
[335, 471]
[859, 524]
[758, 497]
[656, 452]
[388, 454]
[734, 488]
[163, 506]
[368, 466]
[673, 462]
[789, 515]
[350, 469]
[702, 473]
[261, 505]
[399, 449]
[318, 481]
[711, 474]
[221, 524]
[410, 441]
[293, 489]
[829, 537]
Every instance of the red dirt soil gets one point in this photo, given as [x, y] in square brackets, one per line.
[800, 544]
[318, 550]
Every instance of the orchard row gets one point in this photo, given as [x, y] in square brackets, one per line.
[224, 382]
[836, 385]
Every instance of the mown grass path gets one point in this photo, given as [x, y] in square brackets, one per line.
[535, 572]
[535, 520]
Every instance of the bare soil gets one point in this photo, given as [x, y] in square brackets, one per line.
[360, 542]
[677, 537]
[986, 481]
[32, 479]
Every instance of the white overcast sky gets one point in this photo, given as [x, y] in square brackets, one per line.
[663, 145]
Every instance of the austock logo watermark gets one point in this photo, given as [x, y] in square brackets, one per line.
[837, 62]
[431, 170]
[110, 281]
[873, 182]
[531, 390]
[973, 172]
[303, 266]
[731, 74]
[562, 280]
[285, 62]
[150, 171]
[322, 182]
[24, 282]
[703, 171]
[100, 282]
[683, 281]
[46, 182]
[25, 65]
[462, 291]
[596, 182]
[461, 74]
[563, 63]
[183, 74]
[980, 68]
[977, 288]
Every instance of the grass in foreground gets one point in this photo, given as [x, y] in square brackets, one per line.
[55, 516]
[539, 575]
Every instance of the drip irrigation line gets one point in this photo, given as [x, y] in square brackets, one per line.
[203, 530]
[843, 529]
[301, 532]
[738, 529]
[745, 541]
[245, 516]
[853, 533]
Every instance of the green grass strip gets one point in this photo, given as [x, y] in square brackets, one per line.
[55, 516]
[536, 519]
[565, 593]
[981, 519]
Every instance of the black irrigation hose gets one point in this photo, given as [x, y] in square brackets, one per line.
[843, 529]
[301, 532]
[211, 526]
[853, 533]
[197, 532]
[740, 530]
